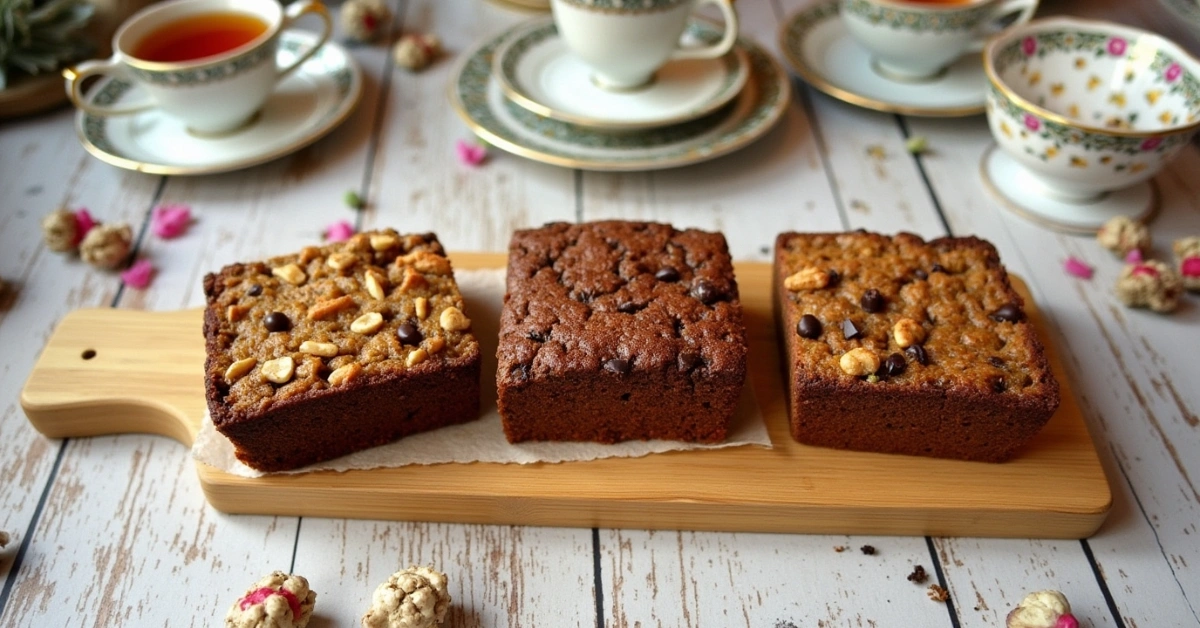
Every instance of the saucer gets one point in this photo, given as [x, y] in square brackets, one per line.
[306, 105]
[1186, 10]
[477, 96]
[537, 71]
[1010, 183]
[820, 49]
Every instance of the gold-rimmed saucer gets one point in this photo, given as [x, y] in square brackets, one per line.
[537, 71]
[305, 105]
[820, 49]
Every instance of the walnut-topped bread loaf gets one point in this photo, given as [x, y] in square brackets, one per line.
[893, 344]
[616, 331]
[338, 348]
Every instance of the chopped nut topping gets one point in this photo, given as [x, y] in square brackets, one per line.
[374, 285]
[323, 349]
[344, 374]
[811, 278]
[435, 344]
[384, 241]
[453, 319]
[290, 273]
[859, 362]
[426, 262]
[329, 307]
[235, 313]
[417, 357]
[309, 253]
[279, 370]
[421, 305]
[341, 261]
[368, 323]
[358, 242]
[412, 280]
[908, 333]
[238, 369]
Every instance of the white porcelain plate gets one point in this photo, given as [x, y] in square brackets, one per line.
[820, 48]
[305, 106]
[538, 72]
[1009, 182]
[480, 101]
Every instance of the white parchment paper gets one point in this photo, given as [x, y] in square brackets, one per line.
[483, 440]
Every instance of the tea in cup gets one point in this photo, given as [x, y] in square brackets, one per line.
[624, 42]
[209, 63]
[914, 40]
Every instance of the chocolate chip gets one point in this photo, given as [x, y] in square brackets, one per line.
[937, 268]
[254, 290]
[667, 273]
[1008, 313]
[918, 354]
[834, 277]
[894, 365]
[628, 307]
[999, 385]
[535, 336]
[996, 362]
[688, 361]
[921, 274]
[277, 321]
[809, 327]
[869, 550]
[872, 301]
[850, 330]
[409, 334]
[706, 293]
[617, 365]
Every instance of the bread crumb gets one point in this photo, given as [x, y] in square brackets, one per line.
[869, 550]
[918, 575]
[938, 593]
[839, 548]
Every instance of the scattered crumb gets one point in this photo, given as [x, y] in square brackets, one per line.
[4, 539]
[839, 548]
[937, 593]
[918, 575]
[784, 624]
[869, 550]
[916, 145]
[876, 151]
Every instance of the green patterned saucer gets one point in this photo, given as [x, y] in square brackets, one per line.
[306, 105]
[479, 98]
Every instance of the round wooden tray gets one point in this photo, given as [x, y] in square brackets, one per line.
[31, 94]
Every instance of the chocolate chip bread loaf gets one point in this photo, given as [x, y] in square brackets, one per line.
[617, 331]
[895, 345]
[336, 349]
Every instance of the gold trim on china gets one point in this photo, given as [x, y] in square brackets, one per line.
[1046, 114]
[1145, 216]
[583, 6]
[813, 78]
[524, 6]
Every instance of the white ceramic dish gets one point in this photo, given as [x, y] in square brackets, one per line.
[306, 105]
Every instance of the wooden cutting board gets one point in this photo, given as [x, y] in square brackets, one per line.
[108, 371]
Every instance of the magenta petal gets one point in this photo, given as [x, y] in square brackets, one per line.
[139, 275]
[1190, 267]
[170, 221]
[339, 231]
[83, 224]
[470, 154]
[1134, 257]
[1077, 268]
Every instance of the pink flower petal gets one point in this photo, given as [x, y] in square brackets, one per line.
[83, 224]
[1134, 257]
[470, 154]
[339, 231]
[1076, 268]
[170, 221]
[1190, 267]
[139, 275]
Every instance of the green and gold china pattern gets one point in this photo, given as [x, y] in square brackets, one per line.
[625, 6]
[569, 145]
[924, 19]
[216, 71]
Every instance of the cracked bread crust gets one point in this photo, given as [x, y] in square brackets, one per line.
[985, 387]
[305, 359]
[616, 331]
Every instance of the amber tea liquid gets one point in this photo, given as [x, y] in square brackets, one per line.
[199, 36]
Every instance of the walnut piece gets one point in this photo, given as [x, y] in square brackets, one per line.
[238, 369]
[291, 274]
[1041, 609]
[60, 231]
[859, 362]
[106, 246]
[452, 319]
[908, 333]
[416, 597]
[811, 278]
[344, 374]
[279, 370]
[323, 349]
[278, 600]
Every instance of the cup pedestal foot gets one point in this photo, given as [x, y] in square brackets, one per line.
[902, 75]
[621, 87]
[236, 128]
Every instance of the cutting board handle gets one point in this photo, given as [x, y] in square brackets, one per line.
[109, 371]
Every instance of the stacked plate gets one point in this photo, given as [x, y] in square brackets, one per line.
[524, 92]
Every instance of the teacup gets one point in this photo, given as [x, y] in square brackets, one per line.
[625, 42]
[1088, 107]
[209, 63]
[914, 40]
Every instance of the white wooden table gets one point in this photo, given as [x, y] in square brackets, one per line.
[114, 531]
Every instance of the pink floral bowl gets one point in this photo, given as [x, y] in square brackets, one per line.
[1089, 107]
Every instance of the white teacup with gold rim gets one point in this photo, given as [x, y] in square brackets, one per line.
[1088, 107]
[625, 41]
[913, 40]
[209, 63]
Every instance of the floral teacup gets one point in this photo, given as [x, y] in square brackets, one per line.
[1089, 107]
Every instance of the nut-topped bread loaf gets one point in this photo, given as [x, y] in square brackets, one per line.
[617, 331]
[337, 348]
[896, 345]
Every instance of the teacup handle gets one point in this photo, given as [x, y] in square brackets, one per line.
[1024, 10]
[294, 12]
[77, 74]
[720, 48]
